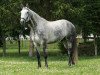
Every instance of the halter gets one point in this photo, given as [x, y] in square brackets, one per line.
[34, 24]
[23, 19]
[26, 18]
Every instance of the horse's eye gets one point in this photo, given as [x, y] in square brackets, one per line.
[27, 12]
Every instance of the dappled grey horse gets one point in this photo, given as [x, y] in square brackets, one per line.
[43, 32]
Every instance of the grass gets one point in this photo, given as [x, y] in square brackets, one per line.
[25, 45]
[15, 64]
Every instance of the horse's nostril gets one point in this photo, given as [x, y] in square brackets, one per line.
[22, 22]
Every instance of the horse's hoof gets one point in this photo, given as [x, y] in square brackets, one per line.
[69, 64]
[39, 66]
[46, 66]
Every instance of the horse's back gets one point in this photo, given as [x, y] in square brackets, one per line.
[63, 24]
[57, 30]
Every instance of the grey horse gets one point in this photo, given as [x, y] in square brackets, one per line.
[43, 32]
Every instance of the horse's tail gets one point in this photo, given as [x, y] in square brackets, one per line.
[74, 50]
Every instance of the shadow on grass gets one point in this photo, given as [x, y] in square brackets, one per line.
[52, 56]
[89, 57]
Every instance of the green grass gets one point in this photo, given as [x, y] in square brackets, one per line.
[25, 45]
[15, 64]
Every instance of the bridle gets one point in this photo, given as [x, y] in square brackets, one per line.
[30, 21]
[26, 18]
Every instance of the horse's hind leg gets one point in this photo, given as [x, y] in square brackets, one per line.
[45, 53]
[68, 46]
[69, 52]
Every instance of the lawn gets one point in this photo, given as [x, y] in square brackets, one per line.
[15, 64]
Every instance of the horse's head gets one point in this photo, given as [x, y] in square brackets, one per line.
[25, 17]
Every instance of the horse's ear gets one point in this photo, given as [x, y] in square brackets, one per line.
[27, 5]
[21, 5]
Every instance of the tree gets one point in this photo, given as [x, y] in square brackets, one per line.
[9, 20]
[91, 14]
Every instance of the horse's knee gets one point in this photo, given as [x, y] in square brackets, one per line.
[69, 45]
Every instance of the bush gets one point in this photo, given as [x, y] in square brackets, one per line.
[86, 49]
[98, 44]
[1, 44]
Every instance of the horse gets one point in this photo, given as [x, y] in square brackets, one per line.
[43, 32]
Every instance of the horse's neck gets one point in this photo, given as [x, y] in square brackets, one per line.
[37, 18]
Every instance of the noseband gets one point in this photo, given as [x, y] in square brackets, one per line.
[23, 19]
[26, 18]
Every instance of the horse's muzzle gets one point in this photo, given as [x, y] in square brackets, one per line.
[22, 21]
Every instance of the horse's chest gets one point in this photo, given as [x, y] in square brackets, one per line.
[36, 38]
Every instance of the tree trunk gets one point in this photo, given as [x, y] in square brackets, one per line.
[31, 48]
[95, 45]
[4, 45]
[18, 45]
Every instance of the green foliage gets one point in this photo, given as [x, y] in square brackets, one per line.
[98, 44]
[86, 49]
[9, 17]
[1, 44]
[91, 14]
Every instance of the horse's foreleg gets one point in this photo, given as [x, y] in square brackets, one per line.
[38, 58]
[45, 54]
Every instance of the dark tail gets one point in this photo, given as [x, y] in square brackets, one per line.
[74, 50]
